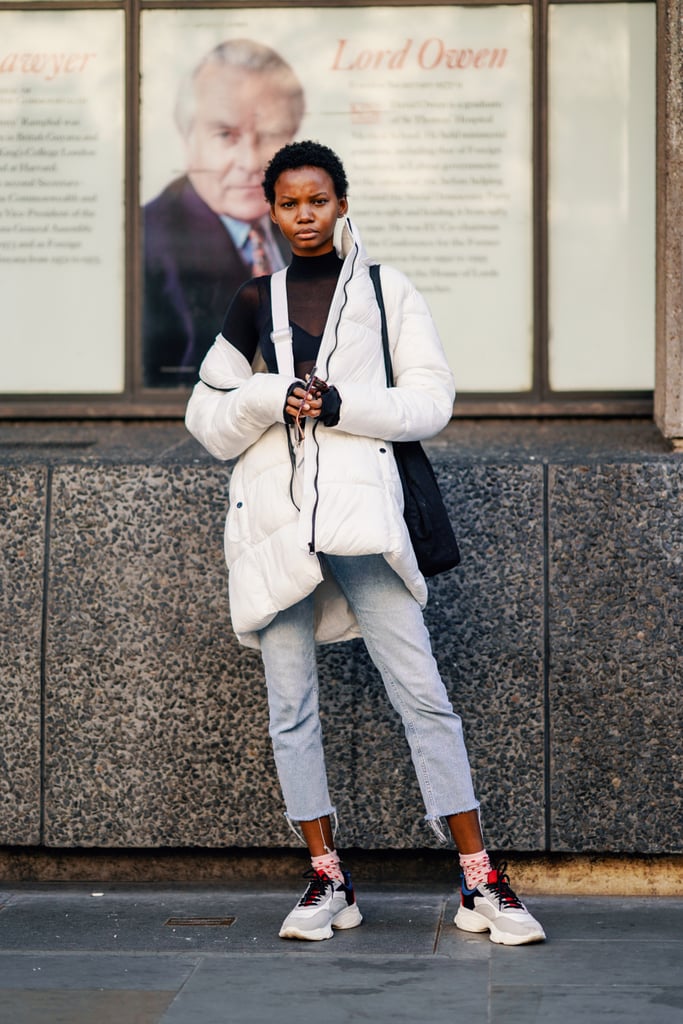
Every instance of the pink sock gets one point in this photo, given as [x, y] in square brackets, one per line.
[475, 867]
[329, 863]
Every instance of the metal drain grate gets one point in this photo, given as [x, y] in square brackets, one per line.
[200, 922]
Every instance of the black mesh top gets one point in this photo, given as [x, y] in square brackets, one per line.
[311, 281]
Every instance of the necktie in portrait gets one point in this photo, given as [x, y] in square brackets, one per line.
[260, 263]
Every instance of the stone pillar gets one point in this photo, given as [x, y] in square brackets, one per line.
[669, 357]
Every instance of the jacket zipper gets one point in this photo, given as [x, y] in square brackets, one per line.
[292, 463]
[314, 513]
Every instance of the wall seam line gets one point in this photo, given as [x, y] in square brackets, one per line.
[43, 647]
[546, 660]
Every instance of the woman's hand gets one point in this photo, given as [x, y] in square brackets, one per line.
[300, 403]
[315, 399]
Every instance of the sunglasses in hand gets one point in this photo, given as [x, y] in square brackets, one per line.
[314, 389]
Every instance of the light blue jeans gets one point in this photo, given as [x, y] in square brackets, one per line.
[397, 640]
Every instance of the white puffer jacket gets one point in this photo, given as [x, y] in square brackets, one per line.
[350, 500]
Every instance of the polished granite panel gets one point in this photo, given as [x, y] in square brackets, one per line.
[616, 640]
[488, 628]
[22, 544]
[156, 732]
[156, 719]
[485, 618]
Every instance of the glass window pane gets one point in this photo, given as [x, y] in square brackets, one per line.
[602, 196]
[430, 109]
[61, 201]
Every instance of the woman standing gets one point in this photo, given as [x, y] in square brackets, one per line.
[315, 540]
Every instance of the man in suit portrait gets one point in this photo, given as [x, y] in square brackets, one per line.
[210, 230]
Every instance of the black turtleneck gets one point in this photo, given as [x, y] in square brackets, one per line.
[311, 281]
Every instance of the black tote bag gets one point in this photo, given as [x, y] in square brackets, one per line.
[429, 526]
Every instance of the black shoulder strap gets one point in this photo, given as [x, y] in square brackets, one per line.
[377, 284]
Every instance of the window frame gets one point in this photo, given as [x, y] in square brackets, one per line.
[138, 402]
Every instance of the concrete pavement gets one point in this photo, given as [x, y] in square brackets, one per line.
[210, 954]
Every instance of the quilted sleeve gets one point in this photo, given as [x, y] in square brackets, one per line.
[231, 407]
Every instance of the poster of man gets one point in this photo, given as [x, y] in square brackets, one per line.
[209, 230]
[430, 110]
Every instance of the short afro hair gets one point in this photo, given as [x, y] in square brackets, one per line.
[305, 154]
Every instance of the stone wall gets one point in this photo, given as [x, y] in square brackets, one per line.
[131, 718]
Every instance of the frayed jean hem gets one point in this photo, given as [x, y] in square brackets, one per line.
[434, 821]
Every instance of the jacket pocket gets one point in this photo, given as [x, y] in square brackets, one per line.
[237, 524]
[236, 536]
[237, 527]
[389, 471]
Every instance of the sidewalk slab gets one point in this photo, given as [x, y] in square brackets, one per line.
[89, 988]
[403, 921]
[63, 1007]
[68, 957]
[406, 990]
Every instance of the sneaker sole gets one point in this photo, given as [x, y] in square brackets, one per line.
[470, 921]
[350, 917]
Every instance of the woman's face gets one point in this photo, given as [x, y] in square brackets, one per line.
[306, 210]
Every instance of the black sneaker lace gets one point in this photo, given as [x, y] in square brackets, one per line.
[316, 888]
[507, 898]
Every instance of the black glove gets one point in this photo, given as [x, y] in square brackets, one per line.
[331, 407]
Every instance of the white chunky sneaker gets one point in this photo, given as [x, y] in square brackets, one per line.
[495, 908]
[325, 905]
